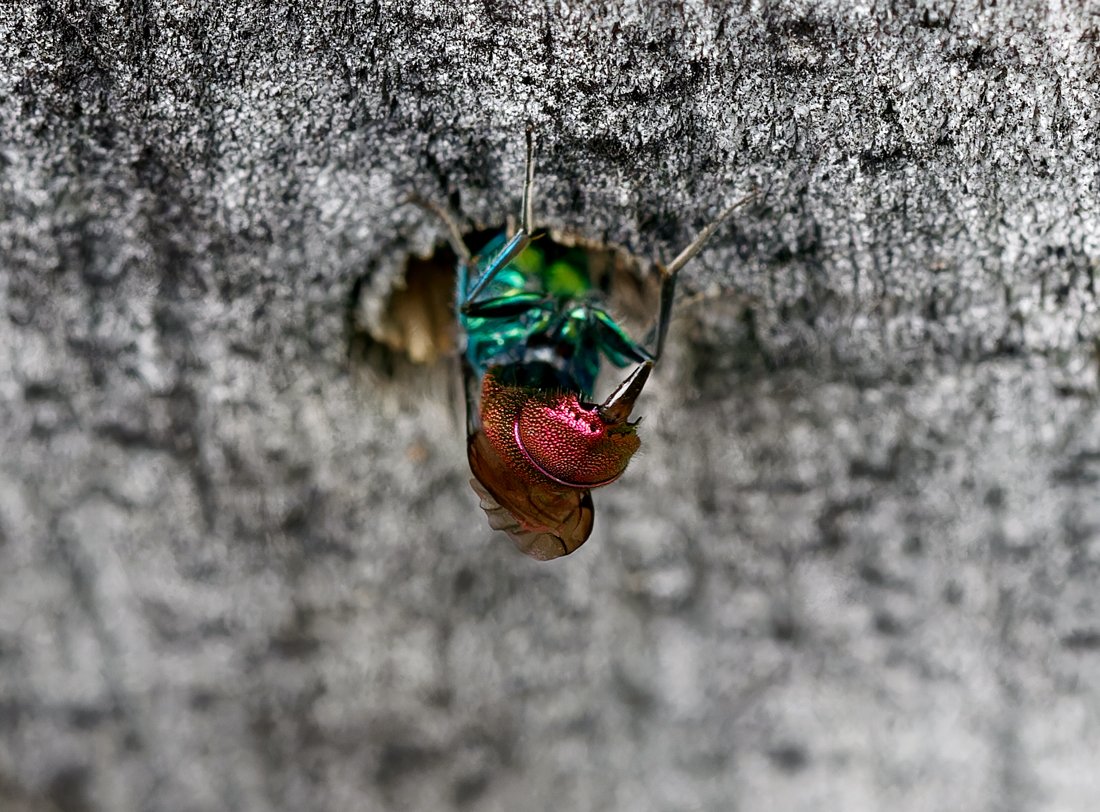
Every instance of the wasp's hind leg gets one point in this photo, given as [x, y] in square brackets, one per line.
[469, 288]
[527, 223]
[519, 241]
[656, 336]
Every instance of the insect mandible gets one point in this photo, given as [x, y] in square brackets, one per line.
[534, 338]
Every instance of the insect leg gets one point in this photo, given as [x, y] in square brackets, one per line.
[615, 342]
[496, 264]
[528, 222]
[669, 272]
[507, 307]
[454, 234]
[521, 239]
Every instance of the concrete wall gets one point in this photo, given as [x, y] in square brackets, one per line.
[854, 566]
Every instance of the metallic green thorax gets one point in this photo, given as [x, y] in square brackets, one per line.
[541, 310]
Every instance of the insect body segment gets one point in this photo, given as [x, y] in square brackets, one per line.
[553, 436]
[536, 333]
[536, 453]
[539, 309]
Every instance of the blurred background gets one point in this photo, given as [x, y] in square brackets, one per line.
[853, 566]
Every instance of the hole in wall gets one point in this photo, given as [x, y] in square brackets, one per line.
[416, 325]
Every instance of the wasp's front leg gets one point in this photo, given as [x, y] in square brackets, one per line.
[516, 245]
[659, 332]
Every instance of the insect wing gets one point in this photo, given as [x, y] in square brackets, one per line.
[543, 522]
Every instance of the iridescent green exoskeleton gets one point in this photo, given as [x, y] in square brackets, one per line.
[536, 333]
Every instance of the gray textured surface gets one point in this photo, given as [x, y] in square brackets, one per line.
[854, 567]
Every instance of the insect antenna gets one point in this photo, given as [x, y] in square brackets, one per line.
[668, 274]
[528, 219]
[700, 240]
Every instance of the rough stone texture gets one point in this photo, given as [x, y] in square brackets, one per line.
[855, 565]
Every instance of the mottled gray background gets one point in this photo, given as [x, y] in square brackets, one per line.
[854, 567]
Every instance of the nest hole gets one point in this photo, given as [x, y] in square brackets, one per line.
[417, 327]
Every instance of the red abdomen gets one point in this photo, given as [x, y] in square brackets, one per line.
[551, 438]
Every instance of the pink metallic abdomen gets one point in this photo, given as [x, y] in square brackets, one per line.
[550, 438]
